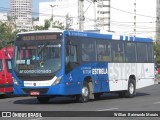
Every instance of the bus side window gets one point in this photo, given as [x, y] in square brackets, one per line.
[150, 53]
[88, 50]
[85, 56]
[118, 51]
[142, 53]
[104, 51]
[71, 58]
[71, 53]
[9, 65]
[130, 52]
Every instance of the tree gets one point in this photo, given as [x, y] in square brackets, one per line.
[38, 27]
[35, 19]
[7, 33]
[157, 52]
[46, 24]
[58, 24]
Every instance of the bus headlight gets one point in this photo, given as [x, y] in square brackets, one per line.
[15, 81]
[57, 81]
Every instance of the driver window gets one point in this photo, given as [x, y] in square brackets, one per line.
[71, 54]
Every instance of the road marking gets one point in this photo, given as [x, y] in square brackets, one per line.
[108, 109]
[157, 102]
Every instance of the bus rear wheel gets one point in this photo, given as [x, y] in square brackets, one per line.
[43, 100]
[131, 92]
[84, 96]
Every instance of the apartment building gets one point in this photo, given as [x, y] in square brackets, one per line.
[21, 12]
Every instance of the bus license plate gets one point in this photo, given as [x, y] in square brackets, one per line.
[34, 93]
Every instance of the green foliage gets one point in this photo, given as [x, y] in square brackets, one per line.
[35, 19]
[157, 53]
[7, 33]
[57, 24]
[38, 27]
[45, 27]
[47, 24]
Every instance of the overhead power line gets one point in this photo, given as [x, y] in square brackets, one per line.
[133, 13]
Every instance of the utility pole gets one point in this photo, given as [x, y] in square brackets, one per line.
[135, 4]
[81, 15]
[95, 18]
[52, 14]
[68, 20]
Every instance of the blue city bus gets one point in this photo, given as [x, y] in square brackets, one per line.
[48, 63]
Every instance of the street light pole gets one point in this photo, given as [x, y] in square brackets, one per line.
[81, 15]
[52, 13]
[95, 18]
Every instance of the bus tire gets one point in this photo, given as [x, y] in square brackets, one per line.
[43, 100]
[131, 92]
[84, 96]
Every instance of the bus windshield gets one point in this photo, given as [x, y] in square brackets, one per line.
[37, 57]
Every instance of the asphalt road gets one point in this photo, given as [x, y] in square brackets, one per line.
[147, 99]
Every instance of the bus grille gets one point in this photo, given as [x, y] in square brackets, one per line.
[40, 90]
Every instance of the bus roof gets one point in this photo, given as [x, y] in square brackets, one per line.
[109, 36]
[40, 31]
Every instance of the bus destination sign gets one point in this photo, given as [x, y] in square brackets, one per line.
[39, 37]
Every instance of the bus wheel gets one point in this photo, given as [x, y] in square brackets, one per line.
[84, 97]
[43, 100]
[131, 92]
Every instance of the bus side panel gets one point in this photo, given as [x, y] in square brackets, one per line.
[98, 73]
[115, 72]
[119, 74]
[146, 75]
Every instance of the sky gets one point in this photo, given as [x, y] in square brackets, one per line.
[5, 4]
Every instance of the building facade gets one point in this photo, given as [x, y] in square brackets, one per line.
[103, 14]
[21, 13]
[3, 17]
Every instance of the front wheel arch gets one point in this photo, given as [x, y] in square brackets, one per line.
[84, 96]
[88, 84]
